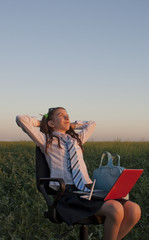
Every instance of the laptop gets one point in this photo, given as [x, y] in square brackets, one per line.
[120, 189]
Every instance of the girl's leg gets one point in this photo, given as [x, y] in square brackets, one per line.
[120, 218]
[114, 214]
[132, 214]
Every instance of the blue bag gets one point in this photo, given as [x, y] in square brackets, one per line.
[107, 175]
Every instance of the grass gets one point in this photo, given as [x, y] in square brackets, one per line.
[22, 206]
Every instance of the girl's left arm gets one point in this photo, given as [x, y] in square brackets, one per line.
[86, 127]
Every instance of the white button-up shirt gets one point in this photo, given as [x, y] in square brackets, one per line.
[57, 157]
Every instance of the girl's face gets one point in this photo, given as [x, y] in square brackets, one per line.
[60, 121]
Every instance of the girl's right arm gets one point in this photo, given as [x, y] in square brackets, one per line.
[29, 125]
[86, 127]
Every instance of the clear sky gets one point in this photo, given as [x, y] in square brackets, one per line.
[89, 56]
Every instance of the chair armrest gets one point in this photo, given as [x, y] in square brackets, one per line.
[59, 192]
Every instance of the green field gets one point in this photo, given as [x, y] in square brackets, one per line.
[22, 206]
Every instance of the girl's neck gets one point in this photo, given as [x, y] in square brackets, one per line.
[58, 133]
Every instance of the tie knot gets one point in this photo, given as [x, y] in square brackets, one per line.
[69, 139]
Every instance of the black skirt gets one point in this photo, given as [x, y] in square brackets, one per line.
[71, 208]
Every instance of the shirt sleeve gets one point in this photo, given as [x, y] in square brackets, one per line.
[29, 126]
[86, 127]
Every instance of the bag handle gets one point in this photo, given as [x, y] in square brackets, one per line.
[118, 156]
[110, 159]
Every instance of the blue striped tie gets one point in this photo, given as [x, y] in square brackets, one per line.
[74, 167]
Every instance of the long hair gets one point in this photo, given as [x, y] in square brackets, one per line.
[47, 130]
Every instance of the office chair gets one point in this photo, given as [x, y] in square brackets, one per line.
[42, 181]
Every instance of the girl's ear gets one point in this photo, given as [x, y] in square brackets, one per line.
[51, 123]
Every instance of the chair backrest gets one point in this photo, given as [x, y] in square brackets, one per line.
[42, 169]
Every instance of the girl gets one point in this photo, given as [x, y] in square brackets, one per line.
[63, 151]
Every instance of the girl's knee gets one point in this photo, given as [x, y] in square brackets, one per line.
[115, 211]
[137, 211]
[134, 211]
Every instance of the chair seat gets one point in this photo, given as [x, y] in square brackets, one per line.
[53, 216]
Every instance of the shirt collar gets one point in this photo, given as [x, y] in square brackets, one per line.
[59, 134]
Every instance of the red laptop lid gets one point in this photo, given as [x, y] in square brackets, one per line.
[124, 183]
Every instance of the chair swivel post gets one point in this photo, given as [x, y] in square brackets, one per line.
[84, 232]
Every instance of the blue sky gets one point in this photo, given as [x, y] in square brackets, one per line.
[90, 57]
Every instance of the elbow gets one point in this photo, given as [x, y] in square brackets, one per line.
[94, 123]
[18, 120]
